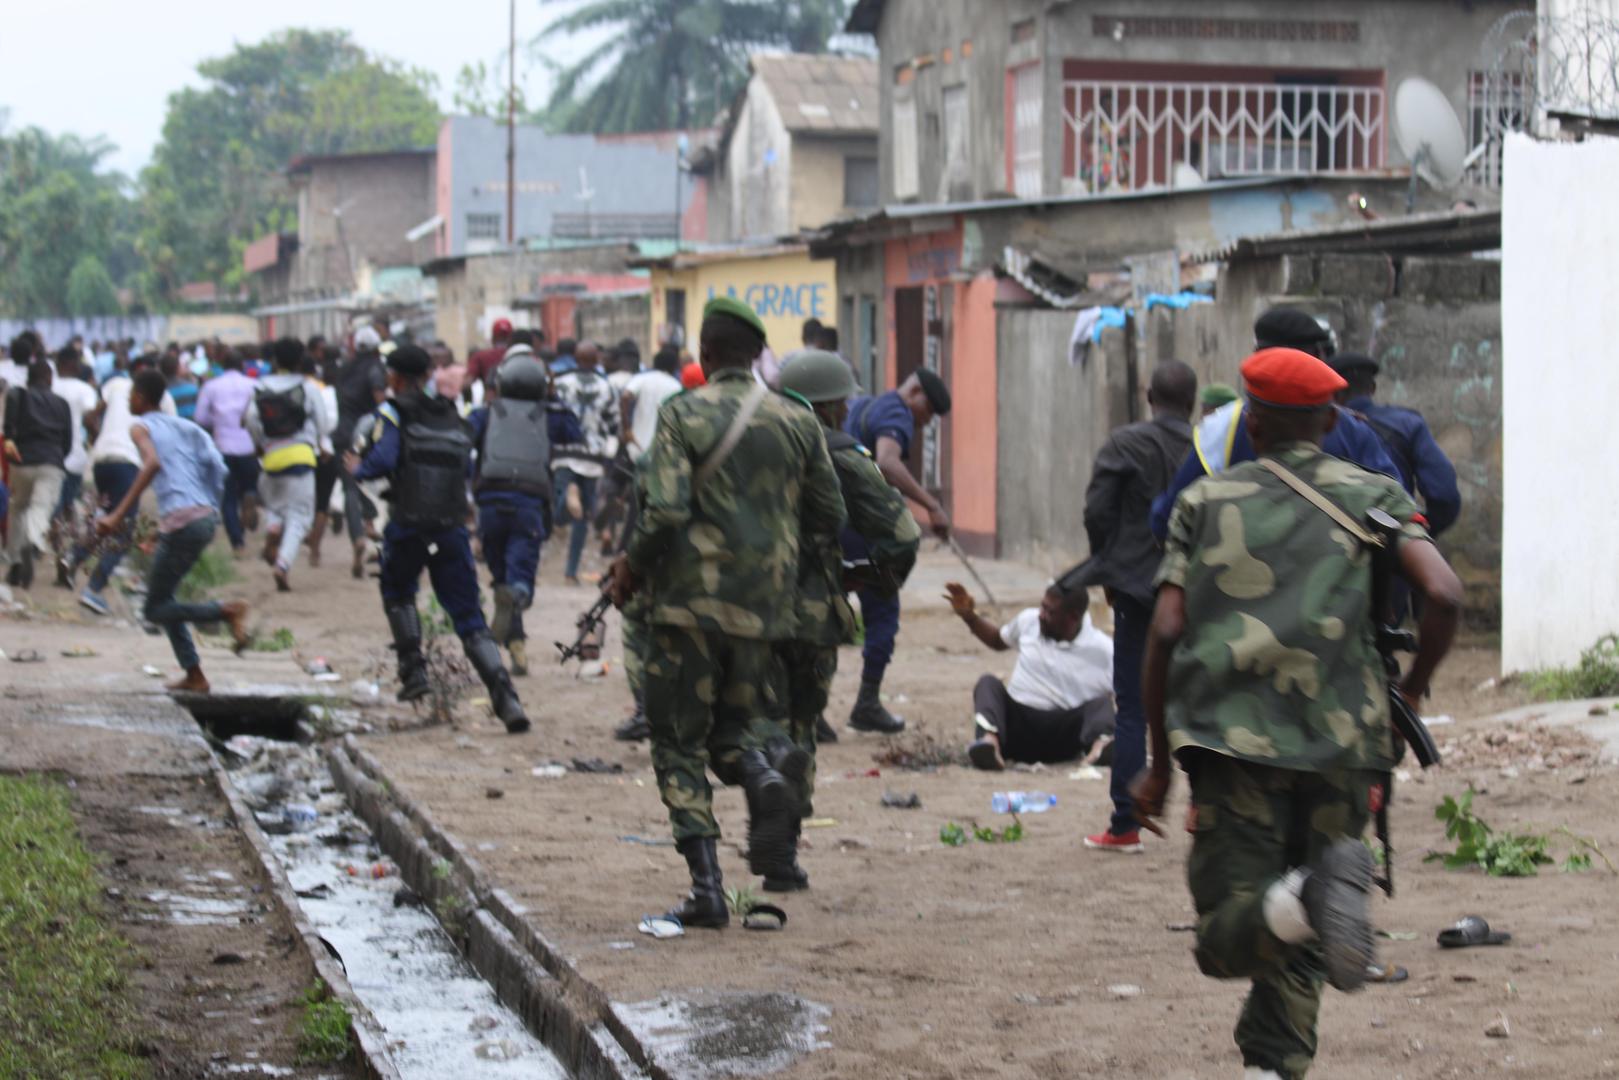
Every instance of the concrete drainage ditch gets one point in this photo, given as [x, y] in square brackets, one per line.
[429, 1013]
[452, 977]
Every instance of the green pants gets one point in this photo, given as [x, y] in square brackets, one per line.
[635, 632]
[809, 669]
[709, 698]
[1254, 823]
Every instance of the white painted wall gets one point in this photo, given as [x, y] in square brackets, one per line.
[758, 167]
[1560, 396]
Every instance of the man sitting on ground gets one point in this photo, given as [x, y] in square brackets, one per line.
[1059, 702]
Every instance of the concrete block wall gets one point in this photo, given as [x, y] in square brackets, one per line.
[1434, 323]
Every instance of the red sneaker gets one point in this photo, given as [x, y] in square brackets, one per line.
[1124, 843]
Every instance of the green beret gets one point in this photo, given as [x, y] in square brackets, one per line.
[1216, 394]
[736, 309]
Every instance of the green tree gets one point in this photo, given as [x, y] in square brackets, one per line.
[216, 181]
[56, 208]
[673, 63]
[481, 89]
[90, 289]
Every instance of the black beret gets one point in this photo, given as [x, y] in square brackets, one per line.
[410, 360]
[1346, 362]
[938, 394]
[1289, 328]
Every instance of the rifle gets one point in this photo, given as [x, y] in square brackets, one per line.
[1391, 641]
[589, 622]
[867, 574]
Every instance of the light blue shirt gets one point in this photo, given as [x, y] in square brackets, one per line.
[192, 470]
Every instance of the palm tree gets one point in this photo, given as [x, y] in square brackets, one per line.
[673, 62]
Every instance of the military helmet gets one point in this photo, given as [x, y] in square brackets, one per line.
[817, 375]
[521, 377]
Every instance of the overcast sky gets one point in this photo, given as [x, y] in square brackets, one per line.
[107, 67]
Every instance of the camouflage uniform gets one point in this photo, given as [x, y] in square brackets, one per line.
[1278, 711]
[717, 565]
[825, 620]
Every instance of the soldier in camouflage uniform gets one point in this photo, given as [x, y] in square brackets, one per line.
[717, 547]
[879, 516]
[1263, 679]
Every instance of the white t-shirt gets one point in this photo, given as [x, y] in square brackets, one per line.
[81, 399]
[1057, 674]
[114, 443]
[650, 390]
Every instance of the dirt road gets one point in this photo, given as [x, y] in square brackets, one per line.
[1030, 959]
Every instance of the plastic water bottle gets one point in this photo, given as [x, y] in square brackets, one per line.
[1021, 802]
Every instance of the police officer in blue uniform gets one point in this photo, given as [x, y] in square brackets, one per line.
[513, 433]
[887, 425]
[1221, 439]
[421, 445]
[1423, 467]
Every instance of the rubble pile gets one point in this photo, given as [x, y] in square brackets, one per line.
[1525, 745]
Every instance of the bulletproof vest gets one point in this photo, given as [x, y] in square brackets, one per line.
[430, 486]
[516, 452]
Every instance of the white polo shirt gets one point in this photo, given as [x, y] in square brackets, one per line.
[1057, 675]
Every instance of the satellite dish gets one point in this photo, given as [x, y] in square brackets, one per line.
[1429, 132]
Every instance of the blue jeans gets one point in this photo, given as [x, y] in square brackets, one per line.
[177, 552]
[446, 554]
[113, 479]
[511, 529]
[581, 528]
[241, 478]
[1131, 618]
[67, 504]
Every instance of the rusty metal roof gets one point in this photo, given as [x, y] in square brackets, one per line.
[819, 93]
[1435, 233]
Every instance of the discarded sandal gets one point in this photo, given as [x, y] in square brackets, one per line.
[1471, 930]
[764, 917]
[1386, 973]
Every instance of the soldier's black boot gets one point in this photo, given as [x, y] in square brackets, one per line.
[705, 904]
[1335, 898]
[793, 762]
[869, 714]
[634, 728]
[406, 626]
[825, 732]
[485, 657]
[772, 816]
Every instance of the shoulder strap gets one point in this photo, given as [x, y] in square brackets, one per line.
[732, 436]
[1314, 496]
[840, 440]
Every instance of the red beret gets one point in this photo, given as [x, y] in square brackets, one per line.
[1290, 379]
[501, 329]
[691, 376]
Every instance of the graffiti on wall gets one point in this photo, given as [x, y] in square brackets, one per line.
[780, 300]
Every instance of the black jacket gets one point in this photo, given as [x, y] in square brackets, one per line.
[41, 424]
[1133, 467]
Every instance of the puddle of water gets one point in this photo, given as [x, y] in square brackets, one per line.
[185, 909]
[439, 1017]
[727, 1034]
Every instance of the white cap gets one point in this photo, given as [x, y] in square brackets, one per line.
[366, 337]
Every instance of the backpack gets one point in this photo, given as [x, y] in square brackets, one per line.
[282, 413]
